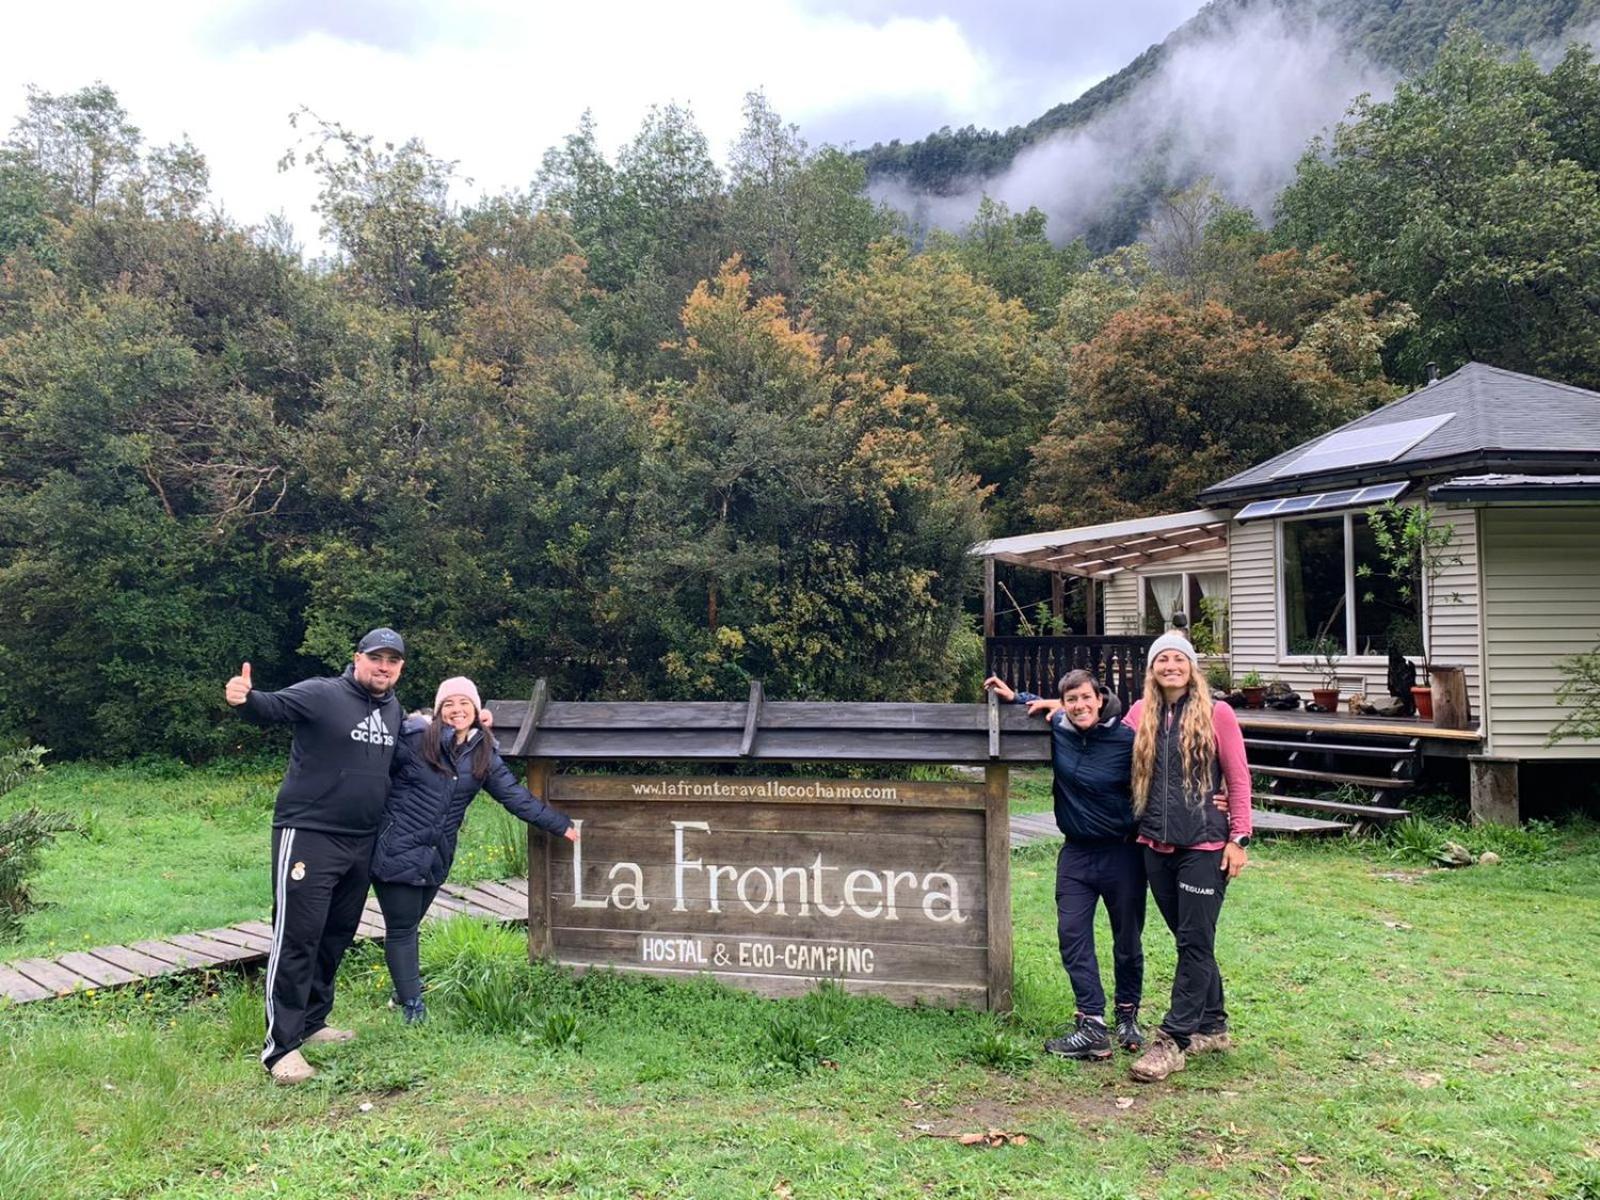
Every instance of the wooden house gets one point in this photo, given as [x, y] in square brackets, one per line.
[1284, 552]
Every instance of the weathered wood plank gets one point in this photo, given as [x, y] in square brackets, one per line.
[901, 924]
[825, 795]
[102, 973]
[240, 938]
[50, 975]
[752, 719]
[487, 902]
[257, 927]
[784, 986]
[536, 889]
[178, 956]
[21, 989]
[997, 851]
[131, 960]
[811, 958]
[222, 952]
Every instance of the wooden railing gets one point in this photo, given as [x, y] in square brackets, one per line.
[1035, 664]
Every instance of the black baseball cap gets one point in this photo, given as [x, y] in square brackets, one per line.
[382, 638]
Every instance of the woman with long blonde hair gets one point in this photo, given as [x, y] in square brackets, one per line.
[1186, 747]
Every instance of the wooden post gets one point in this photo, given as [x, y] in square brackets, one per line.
[988, 597]
[1090, 616]
[1494, 791]
[540, 941]
[1451, 709]
[997, 842]
[1058, 598]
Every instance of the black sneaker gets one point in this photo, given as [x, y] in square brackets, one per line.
[1129, 1036]
[415, 1011]
[1088, 1040]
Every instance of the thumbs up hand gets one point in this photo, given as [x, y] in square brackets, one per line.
[239, 686]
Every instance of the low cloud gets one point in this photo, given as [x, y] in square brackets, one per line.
[1238, 104]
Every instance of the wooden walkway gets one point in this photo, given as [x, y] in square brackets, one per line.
[1028, 828]
[238, 945]
[248, 942]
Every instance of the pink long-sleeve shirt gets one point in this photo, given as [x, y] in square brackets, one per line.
[1235, 774]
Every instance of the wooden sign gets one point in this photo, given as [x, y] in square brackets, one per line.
[889, 887]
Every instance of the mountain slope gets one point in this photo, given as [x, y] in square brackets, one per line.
[1359, 41]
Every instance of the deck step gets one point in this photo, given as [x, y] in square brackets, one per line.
[1335, 777]
[1392, 752]
[1264, 821]
[1361, 812]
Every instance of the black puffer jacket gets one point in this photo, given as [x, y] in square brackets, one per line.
[426, 807]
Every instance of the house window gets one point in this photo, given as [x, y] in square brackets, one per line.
[1326, 593]
[1202, 596]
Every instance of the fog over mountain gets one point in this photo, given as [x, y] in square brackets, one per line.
[1238, 104]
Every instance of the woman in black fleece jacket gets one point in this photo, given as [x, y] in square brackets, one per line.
[439, 767]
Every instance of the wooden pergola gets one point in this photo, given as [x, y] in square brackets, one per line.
[1098, 552]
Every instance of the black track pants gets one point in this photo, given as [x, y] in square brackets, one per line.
[403, 906]
[319, 885]
[1085, 876]
[1188, 887]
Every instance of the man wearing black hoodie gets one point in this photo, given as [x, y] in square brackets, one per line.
[323, 826]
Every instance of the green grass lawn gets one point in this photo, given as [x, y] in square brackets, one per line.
[1402, 1032]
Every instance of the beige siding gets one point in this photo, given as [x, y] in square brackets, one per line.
[1253, 582]
[1541, 574]
[1121, 594]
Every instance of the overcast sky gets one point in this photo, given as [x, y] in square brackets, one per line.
[492, 83]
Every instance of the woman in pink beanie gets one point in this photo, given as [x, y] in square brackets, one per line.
[439, 767]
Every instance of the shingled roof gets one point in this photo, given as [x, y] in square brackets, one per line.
[1499, 421]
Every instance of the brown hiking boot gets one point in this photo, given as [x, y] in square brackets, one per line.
[1160, 1060]
[1219, 1042]
[329, 1034]
[292, 1068]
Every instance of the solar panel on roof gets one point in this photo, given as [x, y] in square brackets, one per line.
[1361, 447]
[1322, 501]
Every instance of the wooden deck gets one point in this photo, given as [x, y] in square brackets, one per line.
[1453, 743]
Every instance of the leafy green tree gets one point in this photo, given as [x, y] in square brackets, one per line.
[81, 142]
[1168, 398]
[804, 518]
[976, 355]
[1012, 254]
[1473, 197]
[793, 210]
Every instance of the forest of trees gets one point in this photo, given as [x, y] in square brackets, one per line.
[654, 427]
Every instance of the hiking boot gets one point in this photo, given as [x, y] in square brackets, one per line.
[292, 1068]
[329, 1034]
[415, 1011]
[1216, 1042]
[1088, 1040]
[1129, 1036]
[1160, 1060]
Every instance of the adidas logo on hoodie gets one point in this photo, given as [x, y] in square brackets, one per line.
[372, 730]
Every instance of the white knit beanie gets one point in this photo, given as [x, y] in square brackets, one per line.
[458, 685]
[1173, 641]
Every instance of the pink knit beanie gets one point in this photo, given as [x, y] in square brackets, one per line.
[458, 685]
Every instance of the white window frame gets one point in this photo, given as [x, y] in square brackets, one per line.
[1364, 660]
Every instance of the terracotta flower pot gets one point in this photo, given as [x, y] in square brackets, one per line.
[1327, 699]
[1423, 696]
[1255, 697]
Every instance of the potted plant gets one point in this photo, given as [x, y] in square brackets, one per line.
[1416, 550]
[1326, 697]
[1255, 692]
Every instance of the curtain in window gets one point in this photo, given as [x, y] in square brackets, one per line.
[1165, 590]
[1213, 584]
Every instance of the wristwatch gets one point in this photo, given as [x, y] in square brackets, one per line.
[1242, 841]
